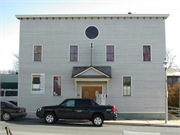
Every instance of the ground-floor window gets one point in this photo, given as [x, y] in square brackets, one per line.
[127, 86]
[38, 83]
[57, 86]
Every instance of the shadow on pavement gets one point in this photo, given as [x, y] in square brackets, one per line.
[58, 123]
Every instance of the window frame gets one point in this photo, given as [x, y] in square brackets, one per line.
[106, 52]
[53, 86]
[69, 55]
[42, 83]
[34, 52]
[143, 52]
[123, 86]
[87, 28]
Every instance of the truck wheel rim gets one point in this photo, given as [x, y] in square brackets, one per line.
[97, 121]
[6, 116]
[49, 118]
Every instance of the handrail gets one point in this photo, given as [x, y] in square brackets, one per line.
[174, 111]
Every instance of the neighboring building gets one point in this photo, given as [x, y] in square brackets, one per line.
[9, 87]
[125, 66]
[173, 76]
[8, 81]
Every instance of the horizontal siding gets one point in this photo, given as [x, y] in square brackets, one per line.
[128, 36]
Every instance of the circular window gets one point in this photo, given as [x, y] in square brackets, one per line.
[91, 32]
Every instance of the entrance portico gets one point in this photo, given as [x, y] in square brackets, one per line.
[91, 80]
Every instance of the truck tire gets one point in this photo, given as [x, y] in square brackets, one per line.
[97, 120]
[6, 116]
[50, 118]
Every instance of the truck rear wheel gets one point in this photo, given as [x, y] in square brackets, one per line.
[97, 120]
[50, 118]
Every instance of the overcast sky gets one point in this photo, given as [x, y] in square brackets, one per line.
[9, 25]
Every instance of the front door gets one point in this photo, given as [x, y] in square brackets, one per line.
[91, 91]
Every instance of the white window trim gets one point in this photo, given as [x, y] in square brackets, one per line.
[53, 85]
[123, 85]
[42, 90]
[69, 52]
[41, 52]
[88, 27]
[106, 52]
[150, 52]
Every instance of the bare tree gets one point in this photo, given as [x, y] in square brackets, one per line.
[3, 72]
[16, 62]
[170, 57]
[10, 71]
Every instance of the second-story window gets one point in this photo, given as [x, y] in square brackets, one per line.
[37, 53]
[110, 53]
[73, 53]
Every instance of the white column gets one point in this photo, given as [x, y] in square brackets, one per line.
[75, 88]
[107, 87]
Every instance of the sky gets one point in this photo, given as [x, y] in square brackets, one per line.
[9, 24]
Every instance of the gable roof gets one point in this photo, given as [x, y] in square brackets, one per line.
[102, 72]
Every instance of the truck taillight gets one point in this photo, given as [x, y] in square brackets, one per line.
[113, 109]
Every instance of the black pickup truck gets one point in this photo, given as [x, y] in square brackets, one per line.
[86, 109]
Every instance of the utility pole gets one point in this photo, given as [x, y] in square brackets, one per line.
[166, 92]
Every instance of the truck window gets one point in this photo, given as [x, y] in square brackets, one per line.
[69, 103]
[83, 103]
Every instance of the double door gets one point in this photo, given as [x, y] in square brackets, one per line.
[91, 92]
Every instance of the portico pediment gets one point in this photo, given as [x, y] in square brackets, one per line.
[92, 72]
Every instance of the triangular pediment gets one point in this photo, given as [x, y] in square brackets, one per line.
[90, 72]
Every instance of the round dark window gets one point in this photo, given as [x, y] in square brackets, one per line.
[91, 32]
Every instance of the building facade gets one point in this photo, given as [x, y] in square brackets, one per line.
[81, 56]
[9, 87]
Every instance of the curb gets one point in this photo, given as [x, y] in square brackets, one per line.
[139, 124]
